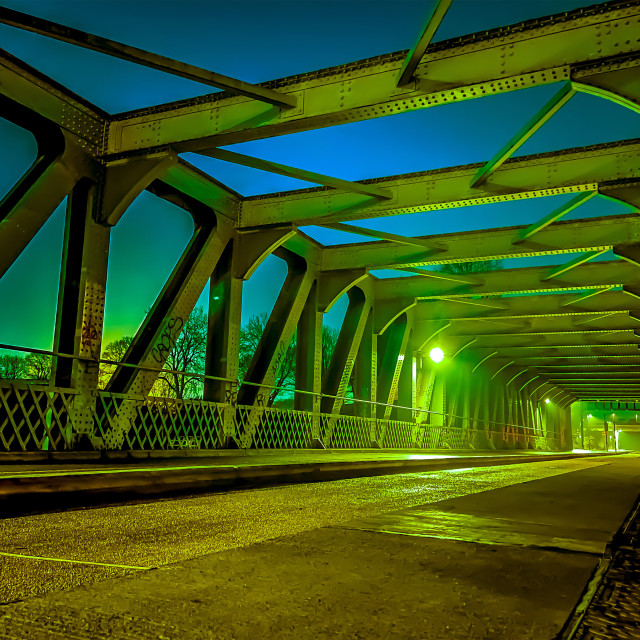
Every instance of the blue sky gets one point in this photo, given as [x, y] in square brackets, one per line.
[257, 41]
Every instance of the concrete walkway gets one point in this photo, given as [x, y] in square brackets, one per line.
[504, 564]
[29, 485]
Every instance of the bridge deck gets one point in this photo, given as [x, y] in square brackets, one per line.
[77, 479]
[510, 562]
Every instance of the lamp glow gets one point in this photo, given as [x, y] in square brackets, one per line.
[547, 400]
[436, 354]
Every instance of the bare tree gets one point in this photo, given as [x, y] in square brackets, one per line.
[38, 366]
[114, 351]
[479, 266]
[187, 355]
[250, 335]
[329, 341]
[13, 367]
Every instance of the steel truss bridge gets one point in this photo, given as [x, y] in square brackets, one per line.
[517, 336]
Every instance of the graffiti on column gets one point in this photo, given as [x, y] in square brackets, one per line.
[167, 340]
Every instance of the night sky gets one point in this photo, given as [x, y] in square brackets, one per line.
[258, 41]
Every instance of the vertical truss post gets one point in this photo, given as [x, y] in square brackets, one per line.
[272, 348]
[309, 361]
[562, 96]
[397, 337]
[223, 336]
[338, 375]
[363, 371]
[438, 407]
[467, 423]
[80, 312]
[405, 383]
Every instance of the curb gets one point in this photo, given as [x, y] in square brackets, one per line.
[38, 493]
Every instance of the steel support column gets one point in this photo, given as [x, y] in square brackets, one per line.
[80, 312]
[223, 335]
[338, 375]
[309, 359]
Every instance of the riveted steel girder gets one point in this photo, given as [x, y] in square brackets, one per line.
[39, 93]
[139, 56]
[523, 55]
[612, 302]
[572, 236]
[558, 340]
[524, 353]
[529, 280]
[571, 171]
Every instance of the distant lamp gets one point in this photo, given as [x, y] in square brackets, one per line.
[589, 416]
[547, 400]
[436, 354]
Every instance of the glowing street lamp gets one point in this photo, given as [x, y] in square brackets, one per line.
[547, 400]
[436, 354]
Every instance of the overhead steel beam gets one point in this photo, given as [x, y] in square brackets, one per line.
[630, 252]
[299, 174]
[486, 333]
[525, 280]
[556, 214]
[599, 92]
[517, 307]
[572, 264]
[586, 295]
[522, 352]
[571, 236]
[50, 100]
[188, 179]
[442, 275]
[410, 64]
[533, 53]
[383, 235]
[140, 56]
[595, 318]
[572, 171]
[502, 368]
[563, 95]
[494, 353]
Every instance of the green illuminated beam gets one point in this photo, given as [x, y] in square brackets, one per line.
[414, 56]
[516, 376]
[503, 368]
[292, 172]
[628, 252]
[484, 360]
[547, 111]
[586, 295]
[607, 95]
[558, 213]
[527, 382]
[440, 275]
[631, 291]
[477, 303]
[572, 264]
[463, 347]
[617, 385]
[433, 335]
[599, 317]
[556, 394]
[139, 56]
[542, 384]
[383, 235]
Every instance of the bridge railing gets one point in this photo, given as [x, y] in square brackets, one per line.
[39, 418]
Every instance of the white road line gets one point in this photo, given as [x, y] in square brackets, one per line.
[99, 564]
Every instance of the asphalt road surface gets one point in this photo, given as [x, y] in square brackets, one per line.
[58, 551]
